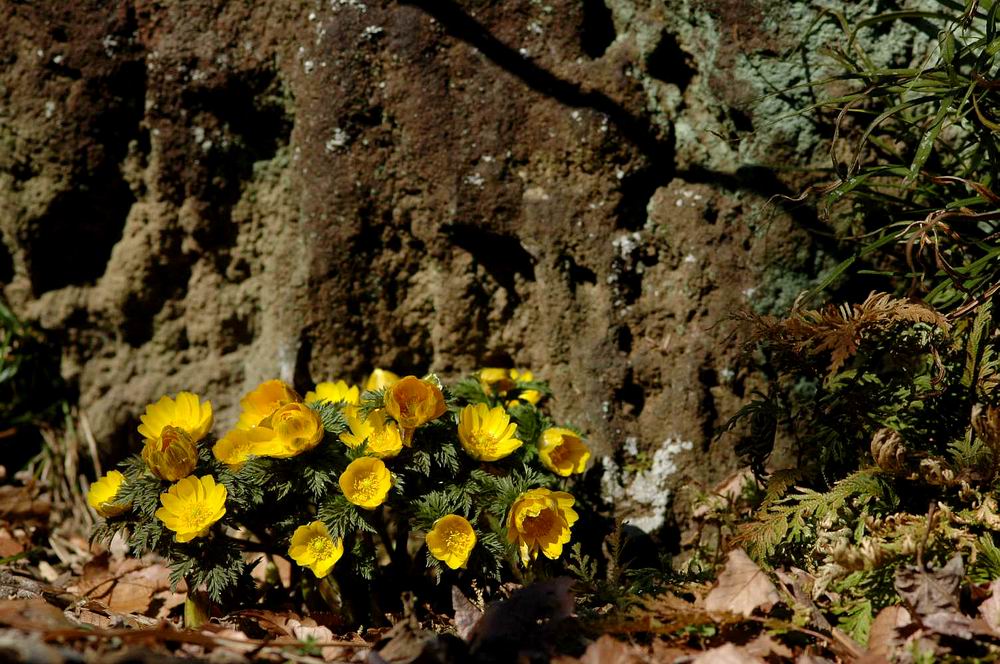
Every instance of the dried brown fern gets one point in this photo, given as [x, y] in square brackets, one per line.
[840, 329]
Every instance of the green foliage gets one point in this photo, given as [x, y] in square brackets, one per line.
[915, 154]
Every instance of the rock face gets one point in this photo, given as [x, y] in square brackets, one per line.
[204, 194]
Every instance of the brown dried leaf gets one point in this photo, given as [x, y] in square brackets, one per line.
[884, 636]
[20, 503]
[742, 587]
[765, 646]
[467, 614]
[927, 591]
[727, 654]
[128, 586]
[990, 609]
[32, 614]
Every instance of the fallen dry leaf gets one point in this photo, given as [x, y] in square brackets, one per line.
[21, 503]
[884, 636]
[765, 646]
[990, 609]
[727, 654]
[742, 587]
[606, 650]
[931, 594]
[128, 586]
[927, 590]
[467, 614]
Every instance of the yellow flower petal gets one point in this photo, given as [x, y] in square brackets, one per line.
[184, 412]
[313, 547]
[487, 434]
[451, 540]
[539, 521]
[562, 451]
[191, 506]
[103, 492]
[366, 482]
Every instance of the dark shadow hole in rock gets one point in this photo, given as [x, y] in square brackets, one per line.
[637, 188]
[742, 120]
[502, 256]
[598, 29]
[631, 396]
[623, 338]
[708, 378]
[669, 63]
[72, 241]
[301, 377]
[6, 264]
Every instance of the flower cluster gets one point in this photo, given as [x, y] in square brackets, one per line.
[350, 476]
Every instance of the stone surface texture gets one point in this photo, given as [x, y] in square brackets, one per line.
[204, 194]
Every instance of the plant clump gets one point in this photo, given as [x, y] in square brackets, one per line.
[355, 486]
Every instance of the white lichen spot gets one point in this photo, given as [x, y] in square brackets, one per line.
[631, 446]
[57, 60]
[338, 140]
[619, 173]
[336, 5]
[647, 490]
[726, 374]
[749, 292]
[476, 180]
[576, 115]
[312, 16]
[524, 52]
[535, 27]
[371, 32]
[679, 202]
[50, 108]
[110, 43]
[309, 66]
[690, 258]
[487, 158]
[627, 243]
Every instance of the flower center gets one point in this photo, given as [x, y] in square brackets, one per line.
[560, 455]
[198, 514]
[485, 441]
[366, 487]
[456, 540]
[321, 547]
[537, 526]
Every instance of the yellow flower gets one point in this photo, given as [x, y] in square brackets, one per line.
[260, 404]
[451, 540]
[297, 429]
[334, 392]
[496, 381]
[413, 402]
[185, 412]
[562, 452]
[383, 435]
[313, 547]
[103, 492]
[486, 434]
[540, 520]
[531, 396]
[239, 444]
[366, 482]
[171, 456]
[380, 378]
[191, 506]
